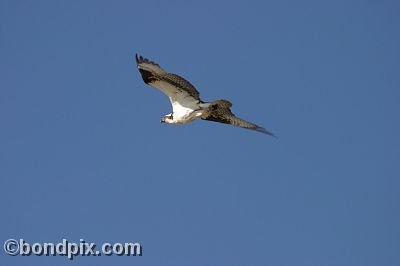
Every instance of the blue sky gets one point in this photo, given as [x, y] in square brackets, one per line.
[83, 154]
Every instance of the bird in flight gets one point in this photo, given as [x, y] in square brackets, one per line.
[185, 99]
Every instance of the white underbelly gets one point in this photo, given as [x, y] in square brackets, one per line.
[185, 109]
[189, 117]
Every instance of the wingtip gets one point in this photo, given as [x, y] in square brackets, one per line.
[137, 58]
[263, 130]
[140, 59]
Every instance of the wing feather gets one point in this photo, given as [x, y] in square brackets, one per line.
[182, 94]
[220, 112]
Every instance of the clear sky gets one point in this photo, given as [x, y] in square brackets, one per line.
[83, 154]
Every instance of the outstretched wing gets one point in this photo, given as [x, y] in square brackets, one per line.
[183, 96]
[220, 112]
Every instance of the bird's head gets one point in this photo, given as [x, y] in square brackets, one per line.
[169, 119]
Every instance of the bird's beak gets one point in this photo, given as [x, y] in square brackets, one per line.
[162, 120]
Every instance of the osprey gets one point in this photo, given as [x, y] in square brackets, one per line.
[185, 99]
